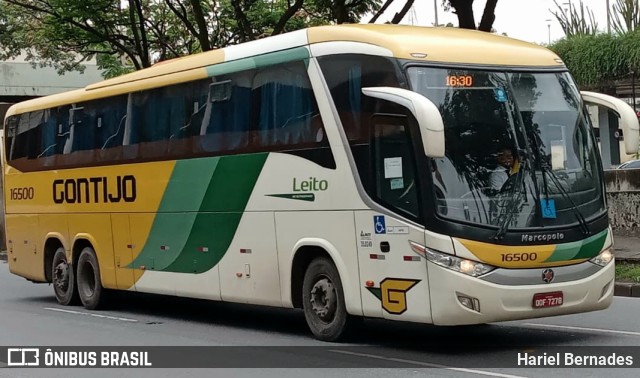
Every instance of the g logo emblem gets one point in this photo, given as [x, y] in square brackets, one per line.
[393, 294]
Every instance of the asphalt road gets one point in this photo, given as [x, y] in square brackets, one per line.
[30, 316]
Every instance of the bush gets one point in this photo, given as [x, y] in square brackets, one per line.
[598, 60]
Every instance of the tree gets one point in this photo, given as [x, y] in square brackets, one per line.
[626, 16]
[466, 20]
[64, 33]
[126, 35]
[574, 22]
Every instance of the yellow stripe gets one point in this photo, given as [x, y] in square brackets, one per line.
[179, 65]
[449, 45]
[495, 254]
[151, 181]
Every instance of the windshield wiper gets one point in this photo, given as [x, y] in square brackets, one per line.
[515, 193]
[543, 165]
[583, 222]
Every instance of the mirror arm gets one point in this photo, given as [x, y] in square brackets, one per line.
[425, 112]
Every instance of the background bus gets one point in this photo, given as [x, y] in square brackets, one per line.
[344, 170]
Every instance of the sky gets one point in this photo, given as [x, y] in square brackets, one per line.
[527, 20]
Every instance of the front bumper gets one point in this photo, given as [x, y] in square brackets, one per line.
[507, 302]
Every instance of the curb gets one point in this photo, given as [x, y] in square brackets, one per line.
[627, 289]
[635, 260]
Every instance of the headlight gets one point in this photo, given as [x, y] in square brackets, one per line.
[469, 267]
[603, 258]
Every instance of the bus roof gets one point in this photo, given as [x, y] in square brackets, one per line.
[426, 44]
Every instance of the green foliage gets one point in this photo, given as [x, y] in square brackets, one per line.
[627, 272]
[598, 60]
[125, 35]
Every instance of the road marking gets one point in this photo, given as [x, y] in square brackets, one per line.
[91, 314]
[427, 364]
[586, 329]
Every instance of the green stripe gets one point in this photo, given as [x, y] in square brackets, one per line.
[375, 291]
[188, 184]
[592, 246]
[583, 249]
[169, 229]
[265, 60]
[201, 208]
[220, 213]
[176, 213]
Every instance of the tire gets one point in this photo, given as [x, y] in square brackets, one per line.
[323, 301]
[89, 284]
[63, 279]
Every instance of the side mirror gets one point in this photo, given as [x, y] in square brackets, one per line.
[426, 113]
[628, 117]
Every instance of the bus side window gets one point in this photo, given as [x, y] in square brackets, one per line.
[24, 139]
[394, 169]
[84, 123]
[346, 75]
[284, 106]
[226, 121]
[49, 134]
[111, 123]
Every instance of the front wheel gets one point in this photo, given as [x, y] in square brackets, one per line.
[63, 279]
[323, 301]
[89, 283]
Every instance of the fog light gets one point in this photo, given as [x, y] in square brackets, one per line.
[605, 289]
[469, 302]
[466, 302]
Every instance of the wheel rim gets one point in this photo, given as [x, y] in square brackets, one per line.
[88, 280]
[324, 300]
[61, 276]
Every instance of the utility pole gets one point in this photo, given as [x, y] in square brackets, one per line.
[608, 18]
[549, 28]
[435, 9]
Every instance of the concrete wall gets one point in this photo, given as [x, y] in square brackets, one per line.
[22, 79]
[623, 198]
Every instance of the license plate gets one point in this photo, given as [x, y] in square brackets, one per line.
[541, 300]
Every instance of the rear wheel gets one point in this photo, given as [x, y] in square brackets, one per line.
[63, 279]
[323, 301]
[89, 283]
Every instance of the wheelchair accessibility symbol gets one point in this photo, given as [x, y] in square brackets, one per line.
[378, 223]
[548, 208]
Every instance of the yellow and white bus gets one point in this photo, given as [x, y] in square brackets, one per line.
[430, 175]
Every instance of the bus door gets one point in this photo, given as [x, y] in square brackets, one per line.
[395, 284]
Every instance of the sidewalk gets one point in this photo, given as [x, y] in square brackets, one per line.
[626, 247]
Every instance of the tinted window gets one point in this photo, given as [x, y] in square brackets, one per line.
[346, 75]
[267, 109]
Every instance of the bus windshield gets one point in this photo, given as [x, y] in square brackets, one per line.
[519, 152]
